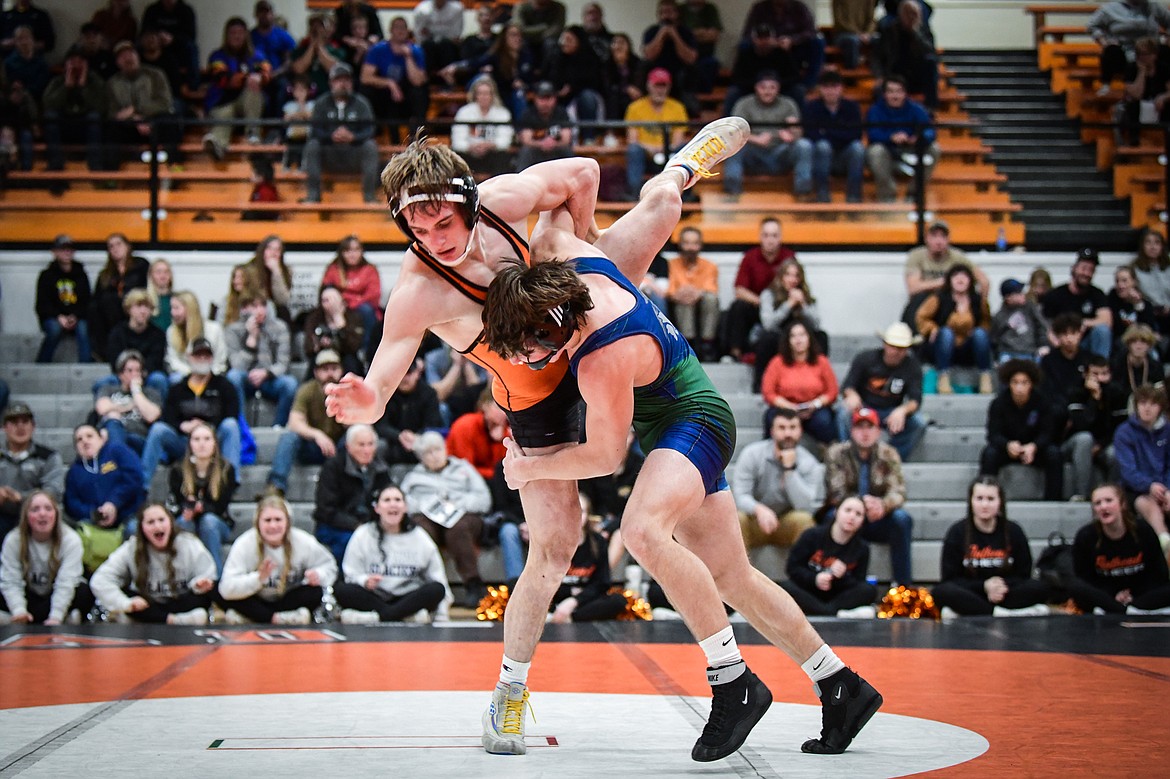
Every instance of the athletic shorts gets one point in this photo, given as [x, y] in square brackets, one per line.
[554, 420]
[708, 448]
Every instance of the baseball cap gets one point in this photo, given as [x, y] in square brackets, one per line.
[939, 226]
[658, 76]
[18, 410]
[1088, 254]
[1010, 287]
[545, 89]
[62, 241]
[200, 345]
[121, 46]
[340, 70]
[866, 415]
[327, 357]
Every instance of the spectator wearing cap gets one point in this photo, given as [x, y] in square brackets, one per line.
[312, 436]
[1022, 428]
[646, 143]
[126, 410]
[888, 381]
[74, 106]
[136, 332]
[25, 465]
[546, 131]
[671, 45]
[341, 137]
[1080, 297]
[259, 356]
[901, 137]
[62, 303]
[347, 487]
[139, 94]
[776, 144]
[1018, 329]
[833, 125]
[865, 466]
[927, 267]
[394, 78]
[202, 397]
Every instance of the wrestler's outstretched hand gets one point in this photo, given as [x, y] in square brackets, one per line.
[515, 462]
[352, 401]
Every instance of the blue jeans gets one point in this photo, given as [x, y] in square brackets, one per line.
[166, 444]
[282, 389]
[850, 161]
[904, 442]
[116, 432]
[588, 107]
[213, 532]
[977, 347]
[894, 529]
[370, 322]
[780, 158]
[292, 448]
[87, 130]
[53, 332]
[512, 550]
[336, 540]
[1098, 339]
[636, 156]
[157, 380]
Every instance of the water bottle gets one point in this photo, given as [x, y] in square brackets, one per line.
[1001, 242]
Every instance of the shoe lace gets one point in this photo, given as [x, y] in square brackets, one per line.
[514, 714]
[720, 706]
[711, 148]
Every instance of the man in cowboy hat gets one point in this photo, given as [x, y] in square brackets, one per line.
[889, 381]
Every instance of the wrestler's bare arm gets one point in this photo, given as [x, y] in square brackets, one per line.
[570, 184]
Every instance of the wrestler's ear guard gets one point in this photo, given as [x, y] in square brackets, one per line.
[464, 193]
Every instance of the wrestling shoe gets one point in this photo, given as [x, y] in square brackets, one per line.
[847, 703]
[738, 701]
[503, 722]
[713, 144]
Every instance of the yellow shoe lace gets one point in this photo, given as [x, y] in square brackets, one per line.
[514, 715]
[711, 148]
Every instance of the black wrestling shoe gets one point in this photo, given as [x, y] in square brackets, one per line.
[738, 701]
[847, 703]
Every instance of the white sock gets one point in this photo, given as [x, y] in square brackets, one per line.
[823, 664]
[513, 671]
[1164, 539]
[721, 648]
[683, 170]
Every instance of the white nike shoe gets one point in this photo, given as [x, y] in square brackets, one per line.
[716, 142]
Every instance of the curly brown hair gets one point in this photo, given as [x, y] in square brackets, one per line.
[520, 299]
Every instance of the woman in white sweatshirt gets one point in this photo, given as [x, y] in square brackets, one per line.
[275, 573]
[161, 574]
[41, 577]
[392, 568]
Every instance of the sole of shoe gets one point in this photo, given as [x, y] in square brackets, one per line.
[495, 745]
[853, 725]
[739, 734]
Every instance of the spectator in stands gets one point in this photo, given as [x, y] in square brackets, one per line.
[887, 381]
[651, 143]
[1147, 88]
[1063, 368]
[438, 28]
[393, 570]
[596, 35]
[203, 397]
[833, 126]
[509, 62]
[187, 326]
[63, 300]
[347, 10]
[275, 573]
[95, 50]
[864, 466]
[244, 279]
[1022, 428]
[906, 48]
[671, 46]
[584, 592]
[1039, 285]
[127, 408]
[1118, 565]
[986, 564]
[693, 294]
[412, 409]
[25, 465]
[456, 380]
[352, 44]
[273, 43]
[785, 300]
[270, 276]
[238, 76]
[478, 437]
[334, 327]
[1142, 447]
[24, 14]
[1136, 364]
[1151, 266]
[102, 485]
[774, 484]
[184, 83]
[316, 54]
[801, 380]
[900, 139]
[482, 133]
[623, 76]
[259, 350]
[702, 18]
[312, 435]
[347, 489]
[1080, 297]
[479, 42]
[827, 567]
[74, 106]
[174, 21]
[1095, 410]
[1117, 26]
[201, 488]
[955, 321]
[853, 29]
[756, 271]
[41, 579]
[1128, 305]
[447, 498]
[115, 22]
[758, 54]
[18, 125]
[341, 137]
[137, 333]
[161, 575]
[26, 65]
[1018, 329]
[297, 111]
[793, 31]
[776, 144]
[122, 273]
[138, 94]
[577, 73]
[541, 22]
[160, 283]
[546, 131]
[927, 267]
[359, 283]
[394, 78]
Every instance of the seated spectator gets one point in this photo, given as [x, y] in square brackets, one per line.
[1117, 26]
[906, 48]
[259, 357]
[18, 126]
[1147, 88]
[448, 498]
[1142, 447]
[776, 144]
[74, 105]
[1118, 565]
[887, 381]
[393, 570]
[102, 486]
[203, 397]
[187, 326]
[394, 78]
[866, 467]
[1151, 266]
[271, 276]
[183, 76]
[23, 13]
[438, 28]
[955, 321]
[1064, 367]
[833, 126]
[1080, 297]
[584, 592]
[693, 295]
[41, 580]
[115, 21]
[1128, 305]
[273, 43]
[901, 137]
[575, 70]
[347, 488]
[594, 32]
[756, 271]
[411, 410]
[800, 380]
[160, 575]
[347, 10]
[137, 333]
[297, 112]
[26, 65]
[774, 483]
[316, 54]
[123, 272]
[127, 408]
[478, 437]
[785, 300]
[546, 131]
[360, 285]
[334, 327]
[702, 18]
[827, 567]
[479, 42]
[928, 265]
[139, 94]
[509, 62]
[1095, 410]
[854, 28]
[353, 43]
[482, 133]
[1136, 364]
[201, 488]
[756, 53]
[175, 22]
[275, 573]
[25, 466]
[1018, 330]
[243, 279]
[651, 143]
[624, 76]
[312, 435]
[793, 30]
[671, 46]
[238, 76]
[341, 137]
[541, 22]
[1021, 428]
[62, 303]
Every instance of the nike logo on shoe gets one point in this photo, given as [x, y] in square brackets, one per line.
[745, 697]
[839, 692]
